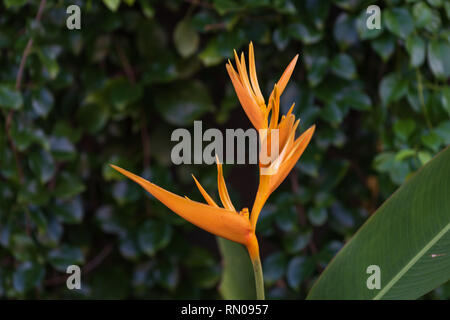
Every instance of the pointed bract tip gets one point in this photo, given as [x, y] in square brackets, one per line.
[119, 169]
[217, 160]
[294, 60]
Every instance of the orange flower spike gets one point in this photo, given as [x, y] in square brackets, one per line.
[249, 104]
[253, 77]
[242, 71]
[291, 152]
[290, 149]
[219, 221]
[248, 90]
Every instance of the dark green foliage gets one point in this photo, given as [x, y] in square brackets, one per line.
[114, 91]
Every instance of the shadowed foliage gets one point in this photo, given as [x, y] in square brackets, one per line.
[73, 101]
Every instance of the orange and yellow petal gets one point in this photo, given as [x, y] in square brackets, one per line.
[246, 99]
[281, 167]
[295, 153]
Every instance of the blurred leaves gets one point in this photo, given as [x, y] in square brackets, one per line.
[438, 53]
[28, 276]
[186, 38]
[61, 258]
[416, 49]
[399, 21]
[154, 236]
[114, 91]
[10, 99]
[183, 103]
[298, 270]
[392, 88]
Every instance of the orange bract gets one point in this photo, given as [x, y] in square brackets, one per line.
[224, 222]
[248, 91]
[280, 168]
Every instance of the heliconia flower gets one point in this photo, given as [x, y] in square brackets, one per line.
[248, 91]
[289, 149]
[224, 222]
[289, 152]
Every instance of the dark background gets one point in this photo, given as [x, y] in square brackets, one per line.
[114, 91]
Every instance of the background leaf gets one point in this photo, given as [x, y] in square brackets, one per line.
[114, 91]
[238, 281]
[438, 51]
[186, 38]
[10, 99]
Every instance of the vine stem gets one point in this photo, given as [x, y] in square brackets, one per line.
[259, 278]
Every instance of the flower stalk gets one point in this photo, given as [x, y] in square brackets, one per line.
[259, 279]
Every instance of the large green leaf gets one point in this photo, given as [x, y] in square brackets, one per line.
[237, 277]
[408, 238]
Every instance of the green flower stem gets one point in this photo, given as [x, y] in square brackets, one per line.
[259, 279]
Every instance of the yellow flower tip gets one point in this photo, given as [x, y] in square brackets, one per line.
[290, 109]
[244, 212]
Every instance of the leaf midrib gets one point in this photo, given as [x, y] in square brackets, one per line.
[408, 266]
